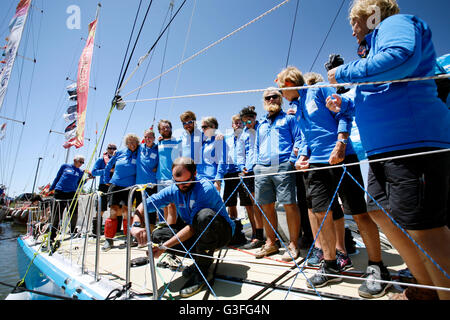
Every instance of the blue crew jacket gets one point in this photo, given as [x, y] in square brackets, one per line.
[203, 195]
[246, 149]
[168, 151]
[147, 161]
[211, 154]
[67, 178]
[99, 169]
[191, 145]
[320, 126]
[275, 139]
[125, 168]
[397, 116]
[228, 161]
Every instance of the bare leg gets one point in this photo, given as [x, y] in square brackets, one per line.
[327, 236]
[269, 211]
[436, 243]
[232, 212]
[314, 227]
[339, 228]
[404, 246]
[370, 236]
[293, 222]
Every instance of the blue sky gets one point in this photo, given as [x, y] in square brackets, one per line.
[249, 59]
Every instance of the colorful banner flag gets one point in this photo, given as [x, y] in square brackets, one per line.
[84, 69]
[15, 28]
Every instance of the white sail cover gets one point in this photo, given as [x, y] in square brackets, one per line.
[16, 28]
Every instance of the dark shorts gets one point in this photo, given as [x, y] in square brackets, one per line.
[118, 195]
[322, 184]
[230, 192]
[104, 197]
[413, 190]
[250, 182]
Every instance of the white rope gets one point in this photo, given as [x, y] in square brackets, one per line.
[150, 185]
[209, 47]
[349, 84]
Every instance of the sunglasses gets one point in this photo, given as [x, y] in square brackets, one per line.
[271, 97]
[188, 122]
[112, 148]
[183, 182]
[247, 122]
[205, 127]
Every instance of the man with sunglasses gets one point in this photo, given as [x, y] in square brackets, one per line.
[276, 136]
[203, 225]
[98, 171]
[192, 138]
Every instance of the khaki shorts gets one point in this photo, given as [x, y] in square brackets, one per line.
[275, 187]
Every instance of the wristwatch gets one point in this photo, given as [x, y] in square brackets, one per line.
[136, 224]
[344, 141]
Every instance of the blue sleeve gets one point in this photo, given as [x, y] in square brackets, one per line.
[296, 135]
[303, 149]
[395, 57]
[108, 168]
[222, 165]
[161, 199]
[98, 168]
[240, 153]
[221, 153]
[58, 176]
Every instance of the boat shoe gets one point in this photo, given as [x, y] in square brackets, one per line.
[290, 254]
[266, 251]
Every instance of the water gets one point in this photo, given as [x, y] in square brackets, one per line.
[9, 274]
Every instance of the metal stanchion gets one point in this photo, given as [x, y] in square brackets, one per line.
[99, 225]
[83, 259]
[149, 237]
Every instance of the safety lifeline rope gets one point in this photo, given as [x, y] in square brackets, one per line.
[348, 84]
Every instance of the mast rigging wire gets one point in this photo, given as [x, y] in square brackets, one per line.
[326, 37]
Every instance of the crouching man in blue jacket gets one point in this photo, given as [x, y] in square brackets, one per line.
[203, 225]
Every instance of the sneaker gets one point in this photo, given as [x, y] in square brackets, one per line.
[108, 245]
[290, 253]
[194, 285]
[254, 244]
[372, 288]
[266, 251]
[315, 258]
[343, 260]
[323, 277]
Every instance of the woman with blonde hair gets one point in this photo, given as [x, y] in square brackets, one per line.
[124, 176]
[399, 119]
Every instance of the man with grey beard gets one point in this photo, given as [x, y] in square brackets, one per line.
[276, 136]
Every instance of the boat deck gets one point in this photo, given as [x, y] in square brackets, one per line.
[237, 274]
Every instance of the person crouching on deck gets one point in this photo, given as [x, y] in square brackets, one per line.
[201, 213]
